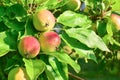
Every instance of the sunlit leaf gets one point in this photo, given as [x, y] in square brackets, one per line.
[81, 50]
[53, 4]
[116, 5]
[34, 68]
[64, 58]
[14, 24]
[87, 37]
[72, 19]
[60, 68]
[50, 73]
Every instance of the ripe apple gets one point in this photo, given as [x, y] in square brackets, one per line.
[49, 41]
[18, 73]
[73, 5]
[116, 20]
[43, 20]
[29, 47]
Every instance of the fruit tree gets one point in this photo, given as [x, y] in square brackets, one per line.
[47, 39]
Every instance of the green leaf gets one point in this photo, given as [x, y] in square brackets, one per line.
[2, 11]
[81, 50]
[61, 3]
[53, 4]
[13, 24]
[29, 28]
[101, 27]
[50, 73]
[116, 5]
[88, 54]
[9, 2]
[87, 37]
[60, 69]
[3, 27]
[110, 29]
[34, 68]
[64, 58]
[8, 42]
[16, 11]
[72, 19]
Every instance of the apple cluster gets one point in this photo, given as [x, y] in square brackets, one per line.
[47, 41]
[30, 46]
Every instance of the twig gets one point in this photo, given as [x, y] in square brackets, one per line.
[74, 76]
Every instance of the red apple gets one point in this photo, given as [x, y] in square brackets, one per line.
[49, 41]
[29, 47]
[43, 20]
[18, 73]
[116, 20]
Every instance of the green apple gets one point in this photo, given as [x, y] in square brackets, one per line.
[29, 47]
[116, 20]
[49, 41]
[18, 73]
[73, 5]
[43, 20]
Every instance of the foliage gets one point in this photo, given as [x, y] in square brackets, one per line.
[88, 32]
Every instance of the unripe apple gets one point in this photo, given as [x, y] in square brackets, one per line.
[43, 20]
[18, 73]
[49, 41]
[73, 5]
[116, 20]
[29, 47]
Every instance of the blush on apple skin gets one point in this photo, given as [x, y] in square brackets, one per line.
[49, 41]
[116, 20]
[29, 47]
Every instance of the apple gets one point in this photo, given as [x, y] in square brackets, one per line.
[116, 20]
[18, 73]
[43, 20]
[49, 41]
[29, 47]
[73, 5]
